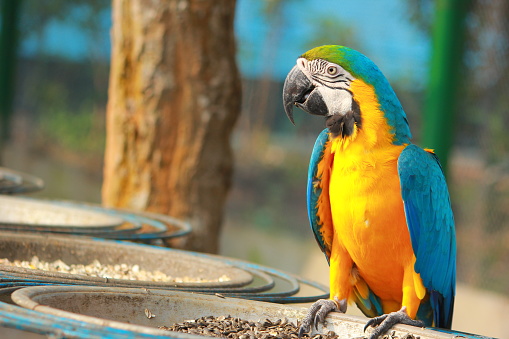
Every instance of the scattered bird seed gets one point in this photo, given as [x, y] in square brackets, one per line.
[393, 335]
[96, 269]
[235, 328]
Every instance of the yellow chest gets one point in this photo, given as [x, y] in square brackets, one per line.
[367, 210]
[364, 192]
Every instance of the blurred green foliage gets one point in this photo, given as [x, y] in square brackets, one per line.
[81, 131]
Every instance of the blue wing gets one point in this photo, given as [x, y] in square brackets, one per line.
[314, 190]
[431, 225]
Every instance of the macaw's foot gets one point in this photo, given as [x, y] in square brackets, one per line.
[319, 311]
[383, 323]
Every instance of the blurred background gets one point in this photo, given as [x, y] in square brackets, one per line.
[57, 127]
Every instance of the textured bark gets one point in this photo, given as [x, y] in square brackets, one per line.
[174, 97]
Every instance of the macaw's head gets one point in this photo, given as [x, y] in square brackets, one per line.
[339, 83]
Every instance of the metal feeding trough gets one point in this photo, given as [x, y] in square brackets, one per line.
[23, 212]
[205, 273]
[19, 322]
[12, 182]
[65, 217]
[188, 270]
[143, 311]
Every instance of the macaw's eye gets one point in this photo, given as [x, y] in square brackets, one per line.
[332, 70]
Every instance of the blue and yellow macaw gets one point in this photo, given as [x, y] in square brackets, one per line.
[378, 205]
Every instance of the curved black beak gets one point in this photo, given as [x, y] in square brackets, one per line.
[299, 91]
[294, 89]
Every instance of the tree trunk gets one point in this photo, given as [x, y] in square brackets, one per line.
[174, 97]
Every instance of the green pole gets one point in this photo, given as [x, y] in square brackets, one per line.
[446, 63]
[9, 16]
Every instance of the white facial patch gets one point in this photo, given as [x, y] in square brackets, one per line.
[334, 88]
[337, 101]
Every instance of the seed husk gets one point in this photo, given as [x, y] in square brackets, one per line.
[108, 271]
[236, 328]
[149, 314]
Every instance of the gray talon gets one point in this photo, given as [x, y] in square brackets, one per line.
[319, 311]
[383, 323]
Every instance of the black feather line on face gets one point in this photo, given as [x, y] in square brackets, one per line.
[344, 125]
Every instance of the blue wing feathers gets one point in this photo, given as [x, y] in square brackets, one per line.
[414, 227]
[313, 193]
[431, 226]
[370, 306]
